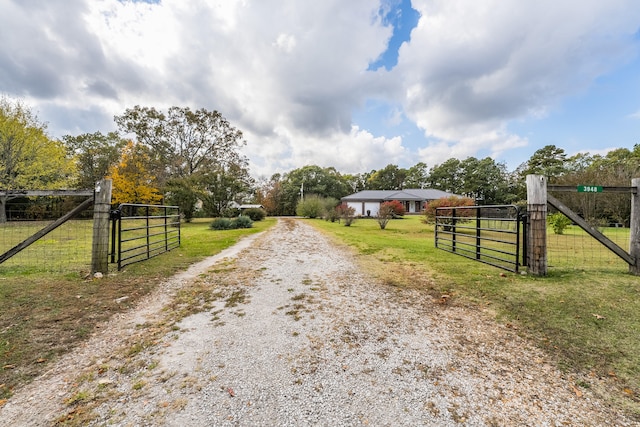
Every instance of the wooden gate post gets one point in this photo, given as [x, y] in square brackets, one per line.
[634, 235]
[101, 210]
[537, 229]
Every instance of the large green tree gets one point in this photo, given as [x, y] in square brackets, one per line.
[187, 147]
[485, 181]
[548, 161]
[185, 142]
[391, 177]
[185, 193]
[417, 176]
[308, 180]
[224, 185]
[447, 176]
[29, 159]
[94, 154]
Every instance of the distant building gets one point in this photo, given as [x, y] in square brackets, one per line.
[244, 207]
[367, 202]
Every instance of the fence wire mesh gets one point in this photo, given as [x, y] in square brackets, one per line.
[573, 249]
[67, 249]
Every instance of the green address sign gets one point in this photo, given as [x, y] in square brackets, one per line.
[589, 189]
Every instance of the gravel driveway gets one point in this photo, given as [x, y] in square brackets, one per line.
[297, 335]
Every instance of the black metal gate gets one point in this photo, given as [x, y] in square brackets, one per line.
[140, 232]
[493, 235]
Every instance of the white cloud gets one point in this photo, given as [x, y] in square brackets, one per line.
[493, 140]
[290, 73]
[355, 152]
[286, 42]
[473, 66]
[263, 64]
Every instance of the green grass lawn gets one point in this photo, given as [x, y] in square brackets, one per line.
[586, 316]
[46, 314]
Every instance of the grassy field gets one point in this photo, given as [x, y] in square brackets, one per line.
[586, 316]
[44, 315]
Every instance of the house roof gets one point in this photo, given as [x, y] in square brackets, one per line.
[418, 194]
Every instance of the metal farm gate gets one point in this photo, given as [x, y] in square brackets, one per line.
[140, 232]
[489, 234]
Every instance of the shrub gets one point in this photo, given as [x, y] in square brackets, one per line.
[329, 208]
[256, 214]
[230, 224]
[332, 215]
[397, 206]
[311, 207]
[558, 222]
[453, 201]
[222, 224]
[346, 213]
[385, 213]
[330, 203]
[242, 221]
[231, 212]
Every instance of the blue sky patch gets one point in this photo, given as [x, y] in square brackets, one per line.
[403, 18]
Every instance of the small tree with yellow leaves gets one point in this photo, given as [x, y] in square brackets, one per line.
[132, 180]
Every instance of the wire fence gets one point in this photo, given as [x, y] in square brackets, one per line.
[574, 249]
[67, 249]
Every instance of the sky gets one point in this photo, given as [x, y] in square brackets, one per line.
[354, 85]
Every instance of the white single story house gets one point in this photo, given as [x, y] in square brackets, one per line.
[245, 206]
[367, 202]
[249, 206]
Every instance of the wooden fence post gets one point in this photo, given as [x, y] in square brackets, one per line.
[634, 235]
[101, 211]
[537, 230]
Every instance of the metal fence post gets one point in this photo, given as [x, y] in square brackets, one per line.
[453, 229]
[478, 228]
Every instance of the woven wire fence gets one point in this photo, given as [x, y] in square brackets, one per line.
[575, 249]
[66, 249]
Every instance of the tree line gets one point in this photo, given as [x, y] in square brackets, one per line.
[484, 180]
[192, 159]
